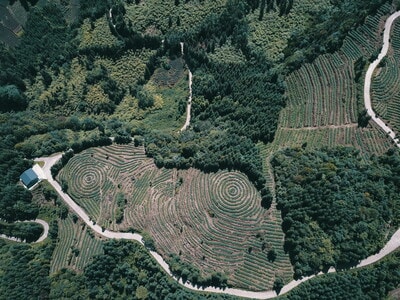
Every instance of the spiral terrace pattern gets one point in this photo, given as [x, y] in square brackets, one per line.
[212, 219]
[193, 219]
[87, 177]
[233, 193]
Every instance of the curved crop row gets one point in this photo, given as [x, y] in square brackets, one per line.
[324, 92]
[75, 247]
[385, 87]
[210, 220]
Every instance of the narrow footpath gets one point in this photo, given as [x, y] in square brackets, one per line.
[189, 102]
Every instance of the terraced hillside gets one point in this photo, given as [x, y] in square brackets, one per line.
[76, 247]
[323, 100]
[324, 93]
[386, 83]
[214, 221]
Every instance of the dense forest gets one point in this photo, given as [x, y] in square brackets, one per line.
[25, 269]
[335, 207]
[236, 104]
[373, 282]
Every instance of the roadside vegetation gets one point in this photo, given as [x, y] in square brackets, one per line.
[363, 196]
[266, 75]
[373, 282]
[190, 215]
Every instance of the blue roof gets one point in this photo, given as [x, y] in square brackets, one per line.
[29, 178]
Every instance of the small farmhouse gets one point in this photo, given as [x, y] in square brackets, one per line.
[29, 178]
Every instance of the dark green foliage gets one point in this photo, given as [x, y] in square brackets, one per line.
[278, 285]
[24, 3]
[15, 201]
[100, 76]
[93, 9]
[241, 98]
[363, 118]
[68, 285]
[145, 99]
[61, 163]
[125, 32]
[64, 186]
[24, 272]
[359, 68]
[271, 255]
[262, 10]
[47, 41]
[62, 210]
[148, 241]
[373, 282]
[11, 98]
[327, 30]
[121, 201]
[24, 269]
[28, 232]
[122, 139]
[266, 198]
[335, 209]
[124, 269]
[94, 142]
[16, 204]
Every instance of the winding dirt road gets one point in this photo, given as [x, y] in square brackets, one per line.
[368, 78]
[391, 245]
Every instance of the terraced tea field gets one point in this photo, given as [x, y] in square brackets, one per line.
[323, 98]
[368, 140]
[76, 246]
[324, 92]
[386, 84]
[214, 221]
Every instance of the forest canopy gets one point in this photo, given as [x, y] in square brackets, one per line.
[335, 207]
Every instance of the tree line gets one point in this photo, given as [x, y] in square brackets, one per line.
[336, 208]
[125, 270]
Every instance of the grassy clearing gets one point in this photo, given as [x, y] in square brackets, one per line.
[55, 140]
[168, 87]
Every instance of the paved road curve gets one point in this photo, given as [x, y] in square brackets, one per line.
[368, 78]
[392, 245]
[40, 239]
